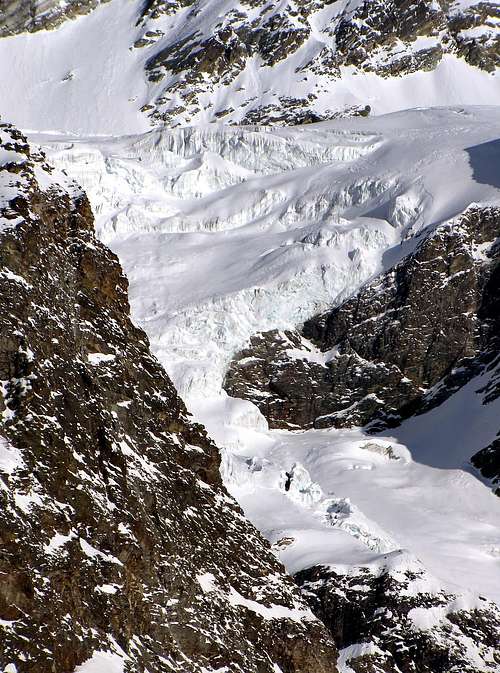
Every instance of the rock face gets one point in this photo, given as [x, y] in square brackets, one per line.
[18, 16]
[312, 39]
[119, 542]
[395, 618]
[403, 344]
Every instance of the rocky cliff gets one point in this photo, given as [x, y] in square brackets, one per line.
[17, 16]
[121, 549]
[402, 345]
[395, 617]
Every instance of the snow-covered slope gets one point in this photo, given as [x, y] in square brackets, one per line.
[129, 64]
[227, 230]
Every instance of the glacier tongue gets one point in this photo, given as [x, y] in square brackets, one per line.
[224, 232]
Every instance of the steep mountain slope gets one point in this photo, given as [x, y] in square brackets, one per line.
[130, 64]
[402, 345]
[227, 48]
[411, 340]
[395, 617]
[121, 550]
[227, 231]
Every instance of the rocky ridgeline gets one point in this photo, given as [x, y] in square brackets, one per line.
[239, 64]
[119, 541]
[395, 618]
[316, 38]
[402, 345]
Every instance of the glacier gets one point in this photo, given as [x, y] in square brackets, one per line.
[226, 231]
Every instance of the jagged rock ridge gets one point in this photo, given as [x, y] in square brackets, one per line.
[119, 542]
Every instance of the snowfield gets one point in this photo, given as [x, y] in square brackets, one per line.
[85, 78]
[226, 231]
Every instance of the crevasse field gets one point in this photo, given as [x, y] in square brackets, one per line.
[226, 231]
